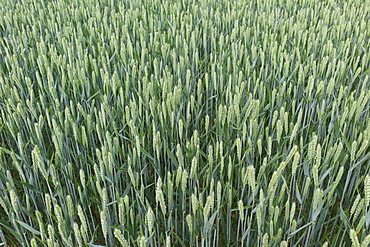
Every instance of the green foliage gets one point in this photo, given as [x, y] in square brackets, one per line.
[184, 123]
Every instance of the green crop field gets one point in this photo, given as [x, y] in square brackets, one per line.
[185, 123]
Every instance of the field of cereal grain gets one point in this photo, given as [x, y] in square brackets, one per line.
[184, 123]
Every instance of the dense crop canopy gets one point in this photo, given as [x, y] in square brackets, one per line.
[184, 123]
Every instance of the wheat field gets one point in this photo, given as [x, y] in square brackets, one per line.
[184, 123]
